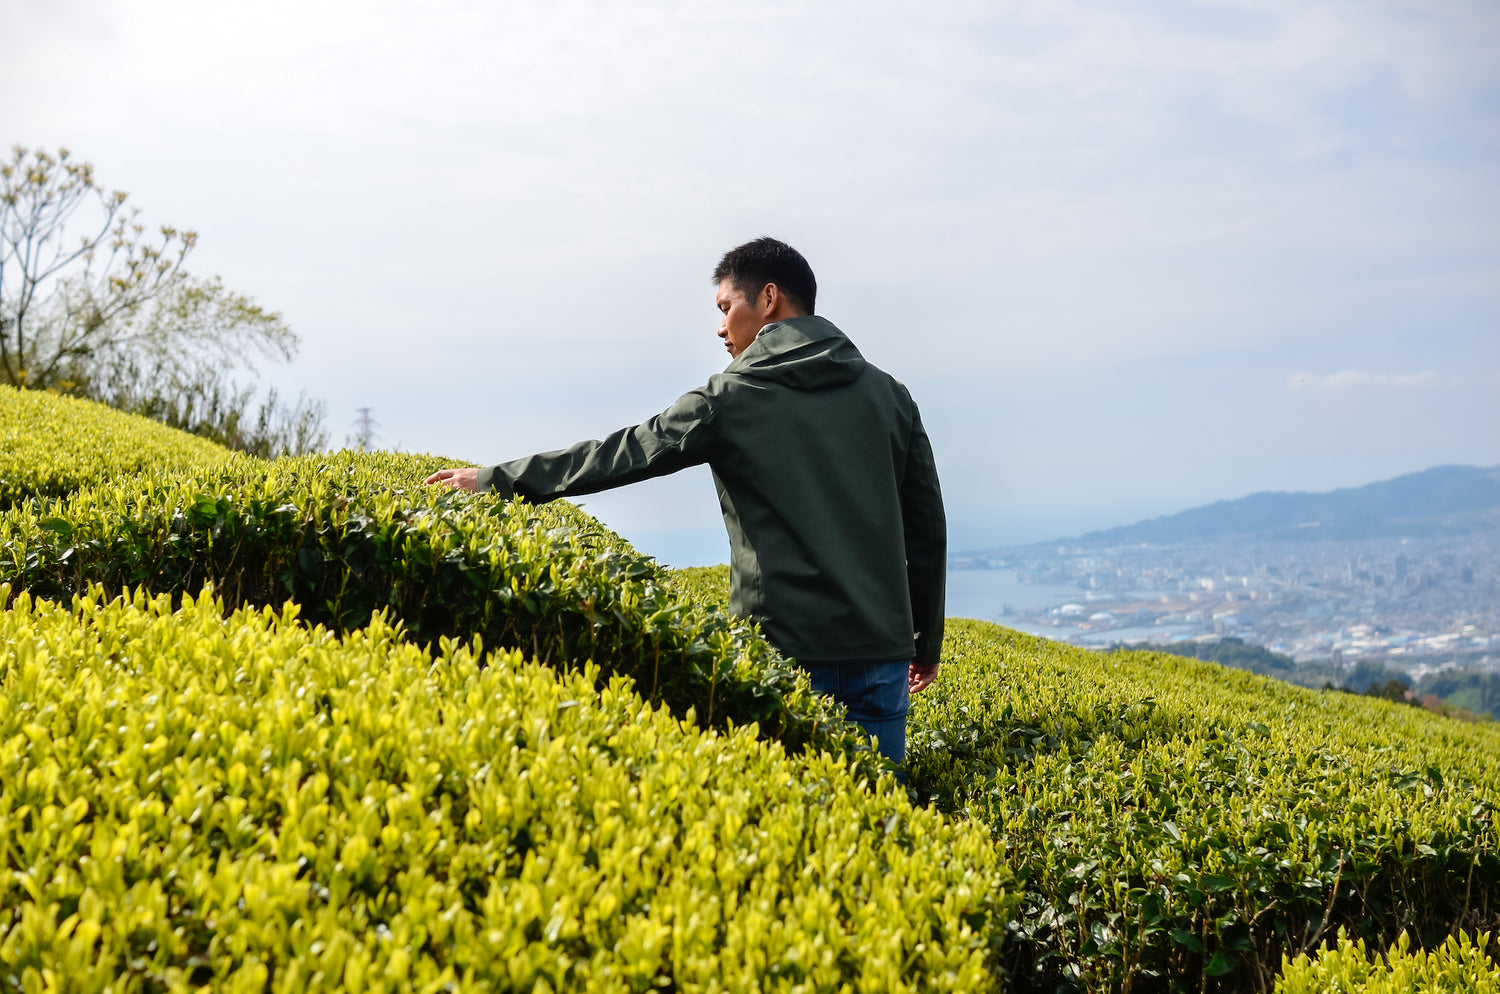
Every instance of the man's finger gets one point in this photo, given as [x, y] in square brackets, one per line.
[921, 677]
[458, 479]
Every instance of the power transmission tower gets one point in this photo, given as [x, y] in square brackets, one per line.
[364, 429]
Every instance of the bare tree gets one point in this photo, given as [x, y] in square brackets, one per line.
[92, 303]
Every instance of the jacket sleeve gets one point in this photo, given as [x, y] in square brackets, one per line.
[926, 531]
[679, 437]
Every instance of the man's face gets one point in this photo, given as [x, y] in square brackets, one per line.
[740, 320]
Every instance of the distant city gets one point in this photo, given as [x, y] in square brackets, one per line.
[1400, 600]
[1416, 603]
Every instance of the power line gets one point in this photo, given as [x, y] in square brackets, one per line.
[364, 429]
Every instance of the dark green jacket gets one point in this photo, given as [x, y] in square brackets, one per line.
[827, 484]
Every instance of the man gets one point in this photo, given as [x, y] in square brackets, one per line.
[826, 481]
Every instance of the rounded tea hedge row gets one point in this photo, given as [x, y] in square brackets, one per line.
[52, 445]
[250, 803]
[347, 535]
[1174, 822]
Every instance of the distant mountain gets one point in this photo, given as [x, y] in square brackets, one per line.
[1444, 500]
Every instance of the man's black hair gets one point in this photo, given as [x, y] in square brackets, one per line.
[750, 266]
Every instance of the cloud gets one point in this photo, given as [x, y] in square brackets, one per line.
[1353, 378]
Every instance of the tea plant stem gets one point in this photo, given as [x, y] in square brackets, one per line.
[1328, 909]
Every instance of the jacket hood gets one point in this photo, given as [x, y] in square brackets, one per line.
[806, 353]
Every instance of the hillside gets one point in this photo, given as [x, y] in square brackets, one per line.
[308, 725]
[1438, 501]
[52, 445]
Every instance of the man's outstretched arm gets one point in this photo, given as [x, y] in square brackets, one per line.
[675, 439]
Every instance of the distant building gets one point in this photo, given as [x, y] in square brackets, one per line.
[1229, 621]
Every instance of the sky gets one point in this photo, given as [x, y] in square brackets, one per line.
[1129, 257]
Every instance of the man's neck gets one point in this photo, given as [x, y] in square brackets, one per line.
[781, 312]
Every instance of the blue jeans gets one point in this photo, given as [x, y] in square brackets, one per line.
[877, 696]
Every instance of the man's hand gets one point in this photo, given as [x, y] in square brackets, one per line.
[458, 479]
[921, 677]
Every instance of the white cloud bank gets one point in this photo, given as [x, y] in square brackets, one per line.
[1353, 378]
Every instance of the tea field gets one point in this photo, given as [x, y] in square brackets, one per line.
[309, 725]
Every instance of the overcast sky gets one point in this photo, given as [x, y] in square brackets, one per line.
[1129, 257]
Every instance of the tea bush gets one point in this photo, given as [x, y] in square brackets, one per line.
[1178, 824]
[702, 584]
[189, 801]
[52, 445]
[1458, 966]
[350, 534]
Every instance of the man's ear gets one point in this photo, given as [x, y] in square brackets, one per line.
[769, 296]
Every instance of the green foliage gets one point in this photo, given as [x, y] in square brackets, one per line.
[1458, 966]
[211, 406]
[1174, 822]
[1394, 691]
[1464, 695]
[93, 305]
[189, 801]
[1472, 690]
[66, 296]
[1230, 652]
[51, 446]
[1372, 674]
[347, 535]
[702, 584]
